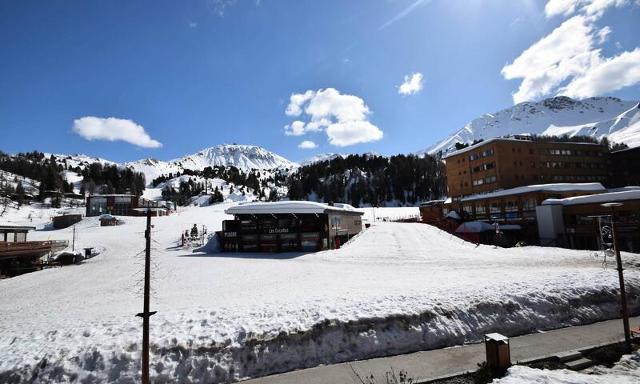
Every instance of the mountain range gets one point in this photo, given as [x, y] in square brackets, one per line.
[597, 117]
[557, 116]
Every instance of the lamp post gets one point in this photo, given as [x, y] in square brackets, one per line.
[623, 292]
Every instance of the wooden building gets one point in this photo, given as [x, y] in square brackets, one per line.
[431, 211]
[504, 163]
[121, 205]
[17, 255]
[64, 221]
[575, 222]
[286, 226]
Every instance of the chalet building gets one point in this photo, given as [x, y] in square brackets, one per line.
[575, 222]
[17, 255]
[286, 226]
[121, 205]
[505, 163]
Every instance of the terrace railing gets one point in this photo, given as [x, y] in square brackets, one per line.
[31, 248]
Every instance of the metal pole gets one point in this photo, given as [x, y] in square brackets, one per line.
[623, 293]
[73, 241]
[145, 313]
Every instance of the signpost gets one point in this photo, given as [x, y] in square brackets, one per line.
[145, 314]
[623, 292]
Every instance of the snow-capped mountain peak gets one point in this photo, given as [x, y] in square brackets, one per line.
[561, 115]
[240, 156]
[244, 157]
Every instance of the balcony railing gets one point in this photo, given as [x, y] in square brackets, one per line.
[34, 248]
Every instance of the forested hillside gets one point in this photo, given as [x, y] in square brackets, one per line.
[49, 171]
[370, 180]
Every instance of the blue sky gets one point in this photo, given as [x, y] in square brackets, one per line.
[178, 76]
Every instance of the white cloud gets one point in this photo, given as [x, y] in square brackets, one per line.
[564, 60]
[411, 85]
[587, 7]
[343, 117]
[603, 34]
[597, 7]
[296, 101]
[610, 75]
[294, 129]
[307, 144]
[327, 103]
[567, 51]
[345, 133]
[114, 129]
[560, 7]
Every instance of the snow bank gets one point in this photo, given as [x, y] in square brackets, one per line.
[626, 371]
[395, 288]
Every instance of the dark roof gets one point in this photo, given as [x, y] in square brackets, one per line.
[10, 228]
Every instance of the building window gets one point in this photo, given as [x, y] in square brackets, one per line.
[529, 205]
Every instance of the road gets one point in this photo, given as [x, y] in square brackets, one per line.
[427, 365]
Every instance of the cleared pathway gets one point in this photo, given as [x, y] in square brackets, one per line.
[428, 365]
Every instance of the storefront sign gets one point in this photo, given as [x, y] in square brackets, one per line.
[278, 230]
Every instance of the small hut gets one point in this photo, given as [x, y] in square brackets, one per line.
[66, 220]
[107, 220]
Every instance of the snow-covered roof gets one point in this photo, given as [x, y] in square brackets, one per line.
[429, 202]
[289, 207]
[8, 228]
[557, 187]
[496, 337]
[480, 144]
[632, 194]
[513, 139]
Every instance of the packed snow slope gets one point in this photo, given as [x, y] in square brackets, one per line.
[558, 116]
[395, 288]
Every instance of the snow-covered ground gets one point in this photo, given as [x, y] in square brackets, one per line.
[389, 214]
[395, 288]
[626, 371]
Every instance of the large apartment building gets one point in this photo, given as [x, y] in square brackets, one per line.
[504, 163]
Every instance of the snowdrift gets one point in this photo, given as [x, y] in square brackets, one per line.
[396, 288]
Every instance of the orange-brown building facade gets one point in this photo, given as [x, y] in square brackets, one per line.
[507, 163]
